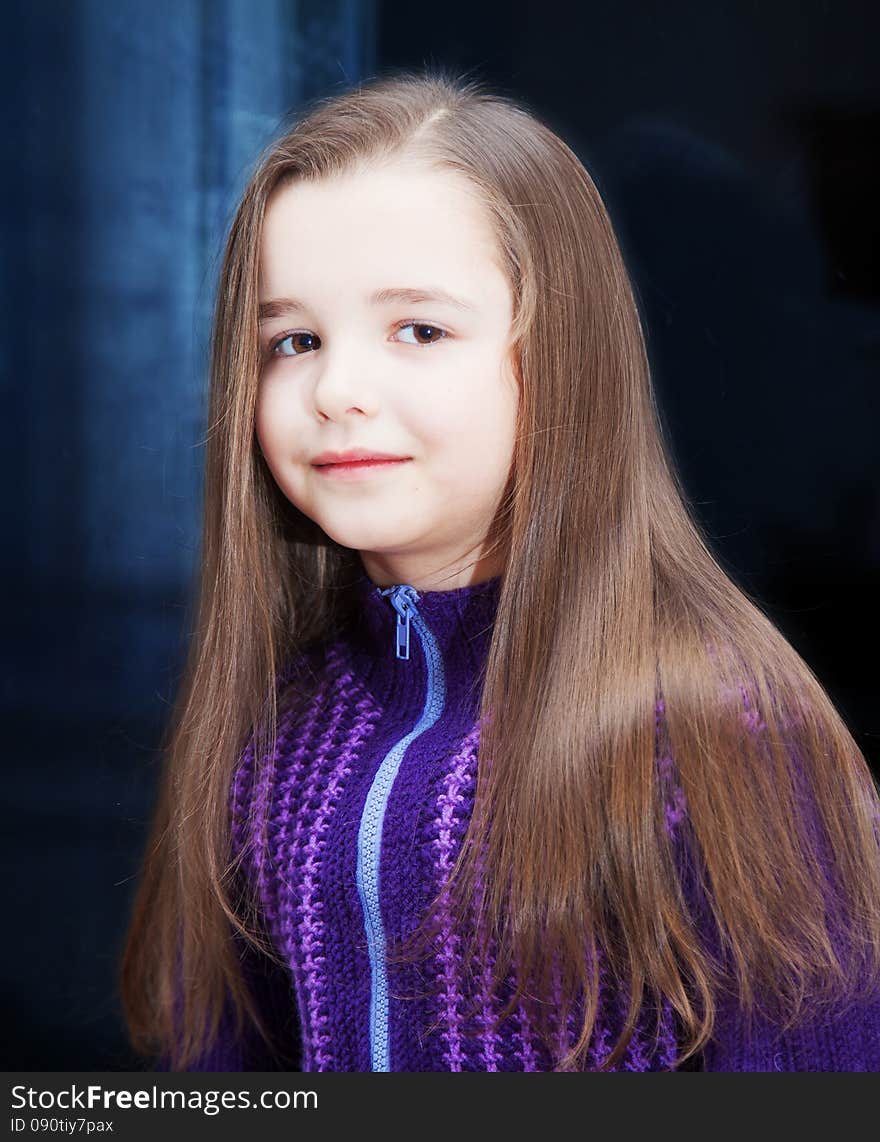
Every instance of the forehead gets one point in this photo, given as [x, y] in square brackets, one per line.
[376, 224]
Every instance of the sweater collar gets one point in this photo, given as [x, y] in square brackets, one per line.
[460, 619]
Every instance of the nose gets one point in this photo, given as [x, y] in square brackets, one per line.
[342, 384]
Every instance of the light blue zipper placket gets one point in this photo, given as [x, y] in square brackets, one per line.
[403, 599]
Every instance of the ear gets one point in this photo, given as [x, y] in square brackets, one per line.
[512, 368]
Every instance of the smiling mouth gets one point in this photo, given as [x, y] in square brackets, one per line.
[370, 462]
[355, 466]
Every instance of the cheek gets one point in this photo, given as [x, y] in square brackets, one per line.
[275, 427]
[480, 402]
[471, 433]
[487, 415]
[272, 425]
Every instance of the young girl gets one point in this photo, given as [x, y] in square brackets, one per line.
[481, 762]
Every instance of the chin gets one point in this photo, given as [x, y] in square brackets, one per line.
[361, 538]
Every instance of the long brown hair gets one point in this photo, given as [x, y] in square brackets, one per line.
[610, 599]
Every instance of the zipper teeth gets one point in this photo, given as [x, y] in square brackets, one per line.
[370, 838]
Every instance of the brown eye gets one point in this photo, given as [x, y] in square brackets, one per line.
[423, 332]
[302, 342]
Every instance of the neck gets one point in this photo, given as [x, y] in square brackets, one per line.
[427, 577]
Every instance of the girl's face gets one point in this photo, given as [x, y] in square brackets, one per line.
[385, 325]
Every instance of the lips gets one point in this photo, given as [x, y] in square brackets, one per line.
[354, 456]
[356, 466]
[372, 463]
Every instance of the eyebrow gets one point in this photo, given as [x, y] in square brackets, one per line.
[281, 306]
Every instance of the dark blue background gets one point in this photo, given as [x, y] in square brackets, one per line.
[736, 146]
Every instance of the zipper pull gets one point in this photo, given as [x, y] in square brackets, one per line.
[402, 598]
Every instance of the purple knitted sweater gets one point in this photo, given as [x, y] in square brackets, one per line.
[371, 796]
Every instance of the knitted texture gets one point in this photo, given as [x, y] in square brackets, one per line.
[382, 758]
